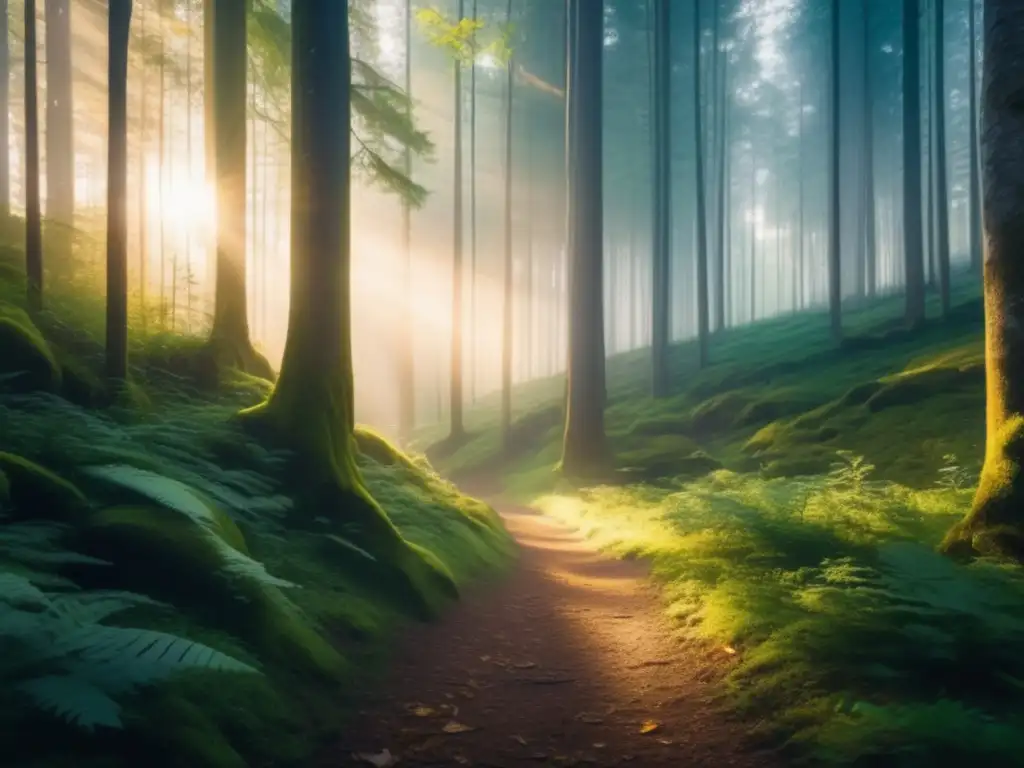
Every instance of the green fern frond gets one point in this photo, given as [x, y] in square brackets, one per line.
[95, 606]
[75, 700]
[166, 492]
[18, 590]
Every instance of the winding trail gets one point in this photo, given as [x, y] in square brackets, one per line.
[567, 661]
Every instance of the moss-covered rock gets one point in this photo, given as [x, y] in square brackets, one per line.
[27, 358]
[175, 559]
[36, 492]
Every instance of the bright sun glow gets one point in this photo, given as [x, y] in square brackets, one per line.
[184, 203]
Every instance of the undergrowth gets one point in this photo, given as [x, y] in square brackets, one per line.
[852, 641]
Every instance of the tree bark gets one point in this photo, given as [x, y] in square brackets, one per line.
[406, 355]
[995, 523]
[457, 429]
[33, 213]
[507, 292]
[941, 187]
[5, 106]
[585, 449]
[119, 20]
[835, 262]
[311, 407]
[975, 243]
[661, 125]
[870, 234]
[230, 334]
[60, 152]
[913, 251]
[702, 222]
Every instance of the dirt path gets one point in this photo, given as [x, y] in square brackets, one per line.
[566, 662]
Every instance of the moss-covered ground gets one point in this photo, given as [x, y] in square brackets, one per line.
[153, 512]
[790, 497]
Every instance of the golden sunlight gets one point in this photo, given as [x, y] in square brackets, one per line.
[183, 202]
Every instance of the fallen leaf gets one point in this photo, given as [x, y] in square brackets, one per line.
[649, 726]
[666, 742]
[449, 696]
[381, 760]
[729, 649]
[525, 665]
[519, 739]
[599, 745]
[461, 760]
[422, 711]
[485, 658]
[455, 727]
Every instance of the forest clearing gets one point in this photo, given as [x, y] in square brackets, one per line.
[511, 382]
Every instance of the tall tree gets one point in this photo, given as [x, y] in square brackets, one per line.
[5, 106]
[661, 173]
[974, 243]
[473, 267]
[33, 213]
[701, 194]
[60, 152]
[913, 248]
[941, 187]
[720, 60]
[835, 262]
[310, 409]
[119, 19]
[585, 448]
[507, 278]
[229, 336]
[995, 522]
[406, 355]
[457, 429]
[870, 233]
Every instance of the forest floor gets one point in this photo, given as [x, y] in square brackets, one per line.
[569, 661]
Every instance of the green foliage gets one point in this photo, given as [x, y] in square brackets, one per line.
[856, 642]
[54, 648]
[466, 39]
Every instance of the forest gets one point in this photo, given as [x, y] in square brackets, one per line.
[661, 396]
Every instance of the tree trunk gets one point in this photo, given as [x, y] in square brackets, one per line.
[870, 235]
[995, 523]
[585, 449]
[723, 181]
[230, 334]
[661, 125]
[912, 245]
[119, 32]
[311, 409]
[835, 262]
[473, 336]
[5, 106]
[60, 153]
[507, 293]
[457, 428]
[406, 355]
[942, 190]
[143, 201]
[702, 222]
[972, 91]
[33, 214]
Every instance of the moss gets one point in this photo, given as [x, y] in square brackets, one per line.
[26, 353]
[36, 492]
[5, 490]
[914, 386]
[718, 413]
[79, 384]
[174, 559]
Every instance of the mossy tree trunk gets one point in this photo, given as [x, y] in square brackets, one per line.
[661, 143]
[913, 247]
[5, 120]
[585, 448]
[995, 522]
[33, 214]
[60, 152]
[229, 337]
[119, 29]
[311, 409]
